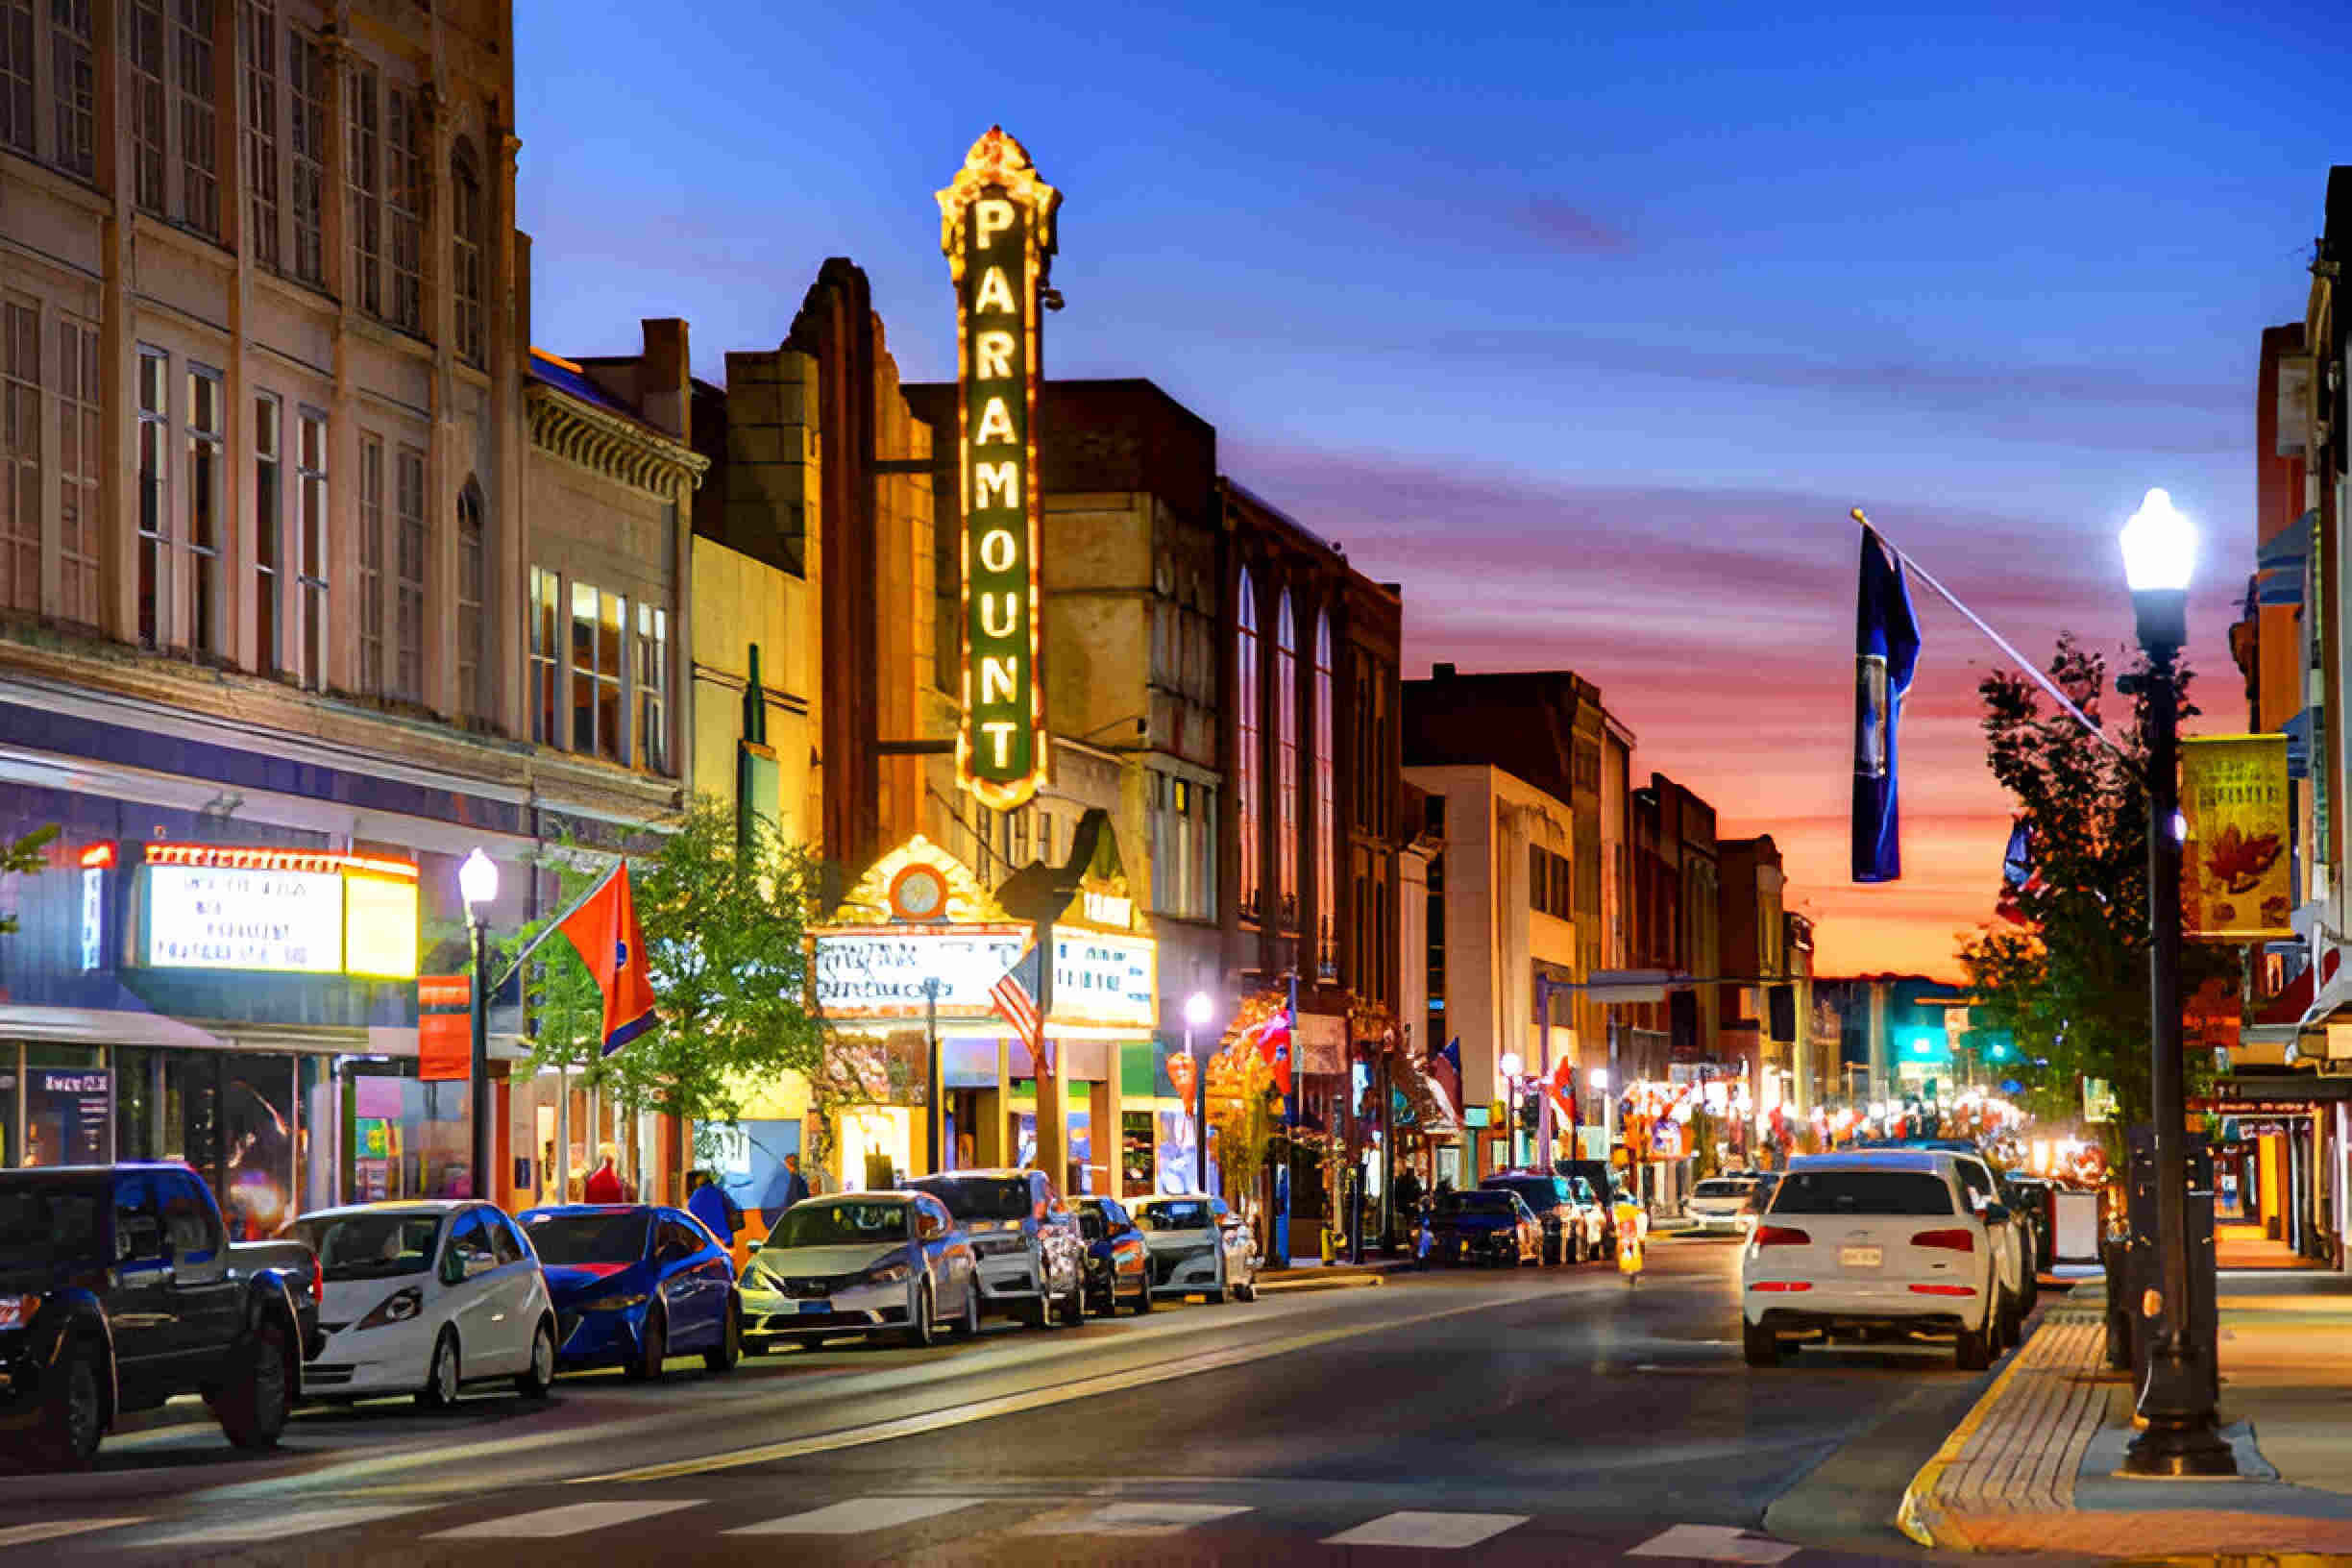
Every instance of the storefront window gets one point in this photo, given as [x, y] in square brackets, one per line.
[1138, 1144]
[406, 1138]
[64, 1092]
[8, 1105]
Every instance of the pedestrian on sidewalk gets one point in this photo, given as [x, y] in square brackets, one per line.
[710, 1204]
[796, 1185]
[604, 1183]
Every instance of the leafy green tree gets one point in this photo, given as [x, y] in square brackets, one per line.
[2069, 979]
[724, 919]
[22, 856]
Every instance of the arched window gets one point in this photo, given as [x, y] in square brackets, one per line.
[1248, 736]
[1286, 760]
[1326, 811]
[472, 594]
[466, 249]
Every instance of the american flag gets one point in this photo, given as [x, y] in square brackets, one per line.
[1016, 998]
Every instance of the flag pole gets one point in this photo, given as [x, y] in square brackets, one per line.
[557, 924]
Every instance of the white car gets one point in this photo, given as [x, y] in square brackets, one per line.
[1879, 1240]
[424, 1297]
[1720, 1203]
[1197, 1246]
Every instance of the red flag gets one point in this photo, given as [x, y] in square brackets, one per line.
[1016, 998]
[1274, 1044]
[1561, 1088]
[602, 929]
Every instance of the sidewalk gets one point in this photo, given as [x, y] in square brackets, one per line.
[2033, 1466]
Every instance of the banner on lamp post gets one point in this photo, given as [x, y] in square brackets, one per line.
[445, 1027]
[2236, 874]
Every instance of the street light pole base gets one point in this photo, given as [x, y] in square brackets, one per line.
[2180, 1446]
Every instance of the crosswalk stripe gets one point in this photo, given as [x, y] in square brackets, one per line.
[1714, 1543]
[53, 1530]
[569, 1519]
[857, 1515]
[1134, 1519]
[281, 1526]
[1427, 1532]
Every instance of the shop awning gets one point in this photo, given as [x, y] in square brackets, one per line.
[107, 1026]
[2278, 563]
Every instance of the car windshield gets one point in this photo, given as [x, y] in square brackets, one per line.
[1092, 1225]
[1484, 1202]
[1538, 1194]
[1193, 1215]
[980, 1197]
[1862, 1192]
[368, 1246]
[1720, 1188]
[41, 1224]
[588, 1239]
[841, 1224]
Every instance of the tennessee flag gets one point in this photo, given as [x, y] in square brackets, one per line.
[602, 929]
[1560, 1088]
[1274, 1044]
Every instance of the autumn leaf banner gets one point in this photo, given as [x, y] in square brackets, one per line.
[2236, 873]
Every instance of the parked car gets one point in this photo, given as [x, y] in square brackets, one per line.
[1032, 1261]
[119, 1289]
[1117, 1258]
[1719, 1205]
[862, 1263]
[1572, 1230]
[424, 1297]
[1606, 1184]
[1198, 1246]
[2012, 1239]
[2029, 1198]
[1484, 1225]
[634, 1284]
[300, 1264]
[1880, 1241]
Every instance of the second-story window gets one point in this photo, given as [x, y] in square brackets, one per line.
[148, 135]
[371, 566]
[153, 492]
[652, 674]
[193, 101]
[78, 445]
[257, 25]
[1286, 760]
[268, 531]
[307, 94]
[1326, 811]
[1248, 803]
[200, 607]
[466, 250]
[16, 74]
[310, 535]
[546, 654]
[472, 625]
[20, 484]
[76, 86]
[409, 577]
[599, 621]
[404, 181]
[365, 287]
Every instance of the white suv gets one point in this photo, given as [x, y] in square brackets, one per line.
[1879, 1239]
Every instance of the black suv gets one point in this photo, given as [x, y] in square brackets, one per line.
[119, 1289]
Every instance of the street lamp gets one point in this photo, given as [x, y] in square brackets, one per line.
[2180, 1437]
[478, 880]
[1509, 1065]
[1196, 1017]
[1598, 1078]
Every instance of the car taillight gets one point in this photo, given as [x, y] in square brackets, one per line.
[1786, 1285]
[1942, 1290]
[1952, 1241]
[1781, 1235]
[318, 1280]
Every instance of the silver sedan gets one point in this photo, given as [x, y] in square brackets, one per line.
[861, 1264]
[1197, 1246]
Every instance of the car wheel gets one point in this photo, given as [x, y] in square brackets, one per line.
[1975, 1349]
[1075, 1304]
[722, 1357]
[254, 1411]
[73, 1415]
[1759, 1345]
[441, 1374]
[968, 1327]
[540, 1375]
[645, 1367]
[920, 1333]
[1144, 1290]
[1035, 1315]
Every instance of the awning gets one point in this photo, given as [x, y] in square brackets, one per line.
[2279, 563]
[2298, 733]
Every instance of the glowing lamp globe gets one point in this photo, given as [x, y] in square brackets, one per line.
[1599, 1079]
[477, 881]
[1196, 1009]
[2160, 548]
[1510, 1064]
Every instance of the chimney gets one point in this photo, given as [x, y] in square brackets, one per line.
[662, 385]
[1441, 672]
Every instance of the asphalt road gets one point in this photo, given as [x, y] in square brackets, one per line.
[1530, 1416]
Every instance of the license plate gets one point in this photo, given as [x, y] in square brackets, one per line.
[816, 1306]
[1860, 1257]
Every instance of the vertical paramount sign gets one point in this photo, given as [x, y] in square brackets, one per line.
[996, 226]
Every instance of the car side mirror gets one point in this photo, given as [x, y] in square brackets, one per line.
[453, 1268]
[1996, 1213]
[139, 1237]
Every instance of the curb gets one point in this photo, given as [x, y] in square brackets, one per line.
[1917, 1515]
[1340, 1281]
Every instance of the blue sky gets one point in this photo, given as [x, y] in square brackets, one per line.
[1587, 323]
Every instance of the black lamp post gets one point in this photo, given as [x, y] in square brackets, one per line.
[2180, 1437]
[1196, 1009]
[478, 880]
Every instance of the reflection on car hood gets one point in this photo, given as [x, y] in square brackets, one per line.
[571, 1281]
[1172, 1240]
[851, 1258]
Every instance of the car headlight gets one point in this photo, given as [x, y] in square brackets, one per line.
[396, 1307]
[613, 1304]
[759, 1278]
[887, 1274]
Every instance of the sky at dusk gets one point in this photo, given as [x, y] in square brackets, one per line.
[1587, 324]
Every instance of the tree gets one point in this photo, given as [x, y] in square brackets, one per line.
[2069, 979]
[1242, 1118]
[725, 920]
[21, 857]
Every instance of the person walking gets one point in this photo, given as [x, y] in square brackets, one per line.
[604, 1183]
[710, 1204]
[796, 1185]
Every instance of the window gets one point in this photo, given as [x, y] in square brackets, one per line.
[408, 577]
[307, 90]
[466, 246]
[545, 645]
[469, 1241]
[505, 1241]
[597, 621]
[21, 508]
[75, 87]
[371, 566]
[16, 74]
[154, 490]
[404, 184]
[653, 688]
[147, 133]
[1248, 727]
[1326, 811]
[365, 287]
[1287, 759]
[311, 479]
[268, 531]
[472, 627]
[193, 103]
[257, 25]
[78, 472]
[1183, 825]
[200, 610]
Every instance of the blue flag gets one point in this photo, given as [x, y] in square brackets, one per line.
[1886, 653]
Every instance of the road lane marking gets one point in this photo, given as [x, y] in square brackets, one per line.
[1714, 1543]
[278, 1527]
[858, 1515]
[569, 1519]
[1427, 1532]
[54, 1529]
[1134, 1519]
[1036, 1399]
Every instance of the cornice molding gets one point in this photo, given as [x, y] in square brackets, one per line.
[611, 446]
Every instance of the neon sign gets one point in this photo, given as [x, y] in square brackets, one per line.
[996, 226]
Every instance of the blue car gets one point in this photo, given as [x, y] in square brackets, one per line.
[634, 1284]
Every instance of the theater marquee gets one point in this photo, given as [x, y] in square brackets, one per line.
[997, 224]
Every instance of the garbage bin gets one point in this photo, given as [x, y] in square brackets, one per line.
[2143, 1263]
